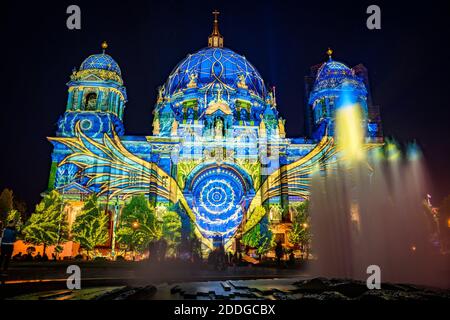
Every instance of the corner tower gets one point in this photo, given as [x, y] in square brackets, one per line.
[332, 85]
[96, 97]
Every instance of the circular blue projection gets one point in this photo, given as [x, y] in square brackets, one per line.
[218, 200]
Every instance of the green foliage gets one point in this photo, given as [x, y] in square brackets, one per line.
[48, 224]
[253, 169]
[259, 237]
[138, 225]
[184, 169]
[6, 203]
[15, 216]
[91, 225]
[300, 234]
[256, 216]
[171, 231]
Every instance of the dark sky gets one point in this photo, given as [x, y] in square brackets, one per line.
[407, 61]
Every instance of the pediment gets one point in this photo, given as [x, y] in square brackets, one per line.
[218, 106]
[92, 77]
[73, 188]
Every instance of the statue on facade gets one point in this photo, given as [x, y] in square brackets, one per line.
[156, 126]
[161, 90]
[193, 80]
[218, 128]
[241, 83]
[174, 131]
[262, 128]
[281, 128]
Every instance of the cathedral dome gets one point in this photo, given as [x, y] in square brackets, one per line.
[336, 75]
[216, 66]
[101, 61]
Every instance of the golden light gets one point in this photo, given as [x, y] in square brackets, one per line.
[135, 225]
[448, 222]
[349, 131]
[305, 225]
[413, 248]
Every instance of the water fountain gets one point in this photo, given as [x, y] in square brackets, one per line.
[368, 210]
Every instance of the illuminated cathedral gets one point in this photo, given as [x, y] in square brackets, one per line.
[218, 149]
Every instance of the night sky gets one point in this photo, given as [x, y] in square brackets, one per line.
[407, 61]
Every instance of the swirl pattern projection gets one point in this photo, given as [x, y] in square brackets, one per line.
[218, 202]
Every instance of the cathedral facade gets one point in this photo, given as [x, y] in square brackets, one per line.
[218, 150]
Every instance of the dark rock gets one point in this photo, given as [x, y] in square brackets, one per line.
[175, 289]
[316, 285]
[350, 289]
[374, 296]
[143, 293]
[332, 296]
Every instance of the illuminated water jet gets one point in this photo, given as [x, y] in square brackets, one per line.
[369, 210]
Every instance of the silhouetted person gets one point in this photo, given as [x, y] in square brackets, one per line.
[7, 244]
[221, 258]
[152, 251]
[279, 252]
[162, 250]
[18, 257]
[292, 258]
[235, 258]
[38, 257]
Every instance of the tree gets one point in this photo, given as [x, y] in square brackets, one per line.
[300, 234]
[91, 225]
[138, 224]
[171, 231]
[259, 237]
[6, 203]
[15, 216]
[48, 224]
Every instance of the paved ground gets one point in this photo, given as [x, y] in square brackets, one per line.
[316, 289]
[155, 272]
[169, 281]
[38, 276]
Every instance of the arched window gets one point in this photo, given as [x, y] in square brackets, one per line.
[244, 115]
[90, 103]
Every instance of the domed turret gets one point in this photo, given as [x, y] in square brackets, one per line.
[96, 97]
[335, 84]
[334, 75]
[101, 61]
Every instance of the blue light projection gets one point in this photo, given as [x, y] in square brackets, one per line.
[215, 124]
[218, 202]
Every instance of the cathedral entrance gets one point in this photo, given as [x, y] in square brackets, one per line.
[219, 196]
